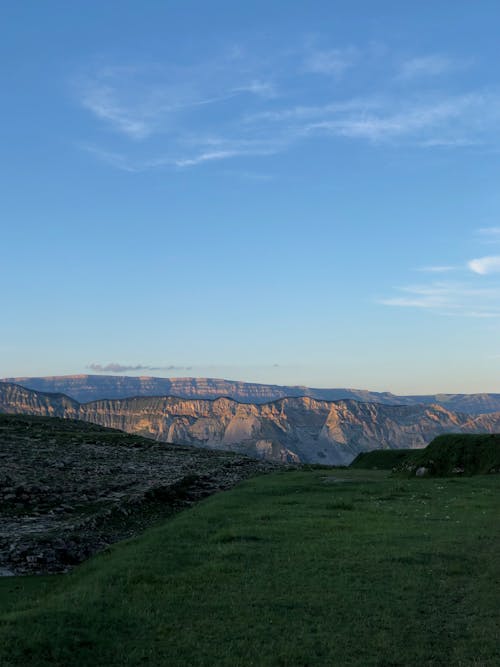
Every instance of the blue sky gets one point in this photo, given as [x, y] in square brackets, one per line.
[285, 192]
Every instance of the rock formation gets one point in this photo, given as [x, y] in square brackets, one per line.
[288, 430]
[85, 388]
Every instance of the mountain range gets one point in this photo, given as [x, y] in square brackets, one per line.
[84, 388]
[288, 429]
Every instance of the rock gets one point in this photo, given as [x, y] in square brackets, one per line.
[422, 471]
[285, 430]
[116, 485]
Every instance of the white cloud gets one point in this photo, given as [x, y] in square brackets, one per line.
[485, 265]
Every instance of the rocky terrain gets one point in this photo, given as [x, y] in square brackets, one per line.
[68, 489]
[84, 388]
[288, 430]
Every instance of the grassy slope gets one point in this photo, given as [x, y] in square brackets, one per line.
[474, 454]
[380, 459]
[285, 570]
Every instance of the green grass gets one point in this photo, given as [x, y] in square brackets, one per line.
[297, 569]
[457, 453]
[380, 459]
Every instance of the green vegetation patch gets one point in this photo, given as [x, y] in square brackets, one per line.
[380, 459]
[360, 569]
[456, 454]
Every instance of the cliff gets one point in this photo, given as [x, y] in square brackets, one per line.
[84, 388]
[289, 429]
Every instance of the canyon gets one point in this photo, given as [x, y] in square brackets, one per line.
[291, 429]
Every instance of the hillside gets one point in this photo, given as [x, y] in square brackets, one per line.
[380, 459]
[85, 388]
[69, 488]
[290, 429]
[456, 454]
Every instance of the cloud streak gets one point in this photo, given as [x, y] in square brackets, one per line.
[424, 66]
[449, 298]
[437, 269]
[161, 116]
[331, 62]
[489, 235]
[477, 296]
[124, 368]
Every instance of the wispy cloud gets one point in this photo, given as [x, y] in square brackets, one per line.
[437, 269]
[422, 66]
[412, 121]
[205, 157]
[217, 148]
[258, 87]
[477, 296]
[332, 62]
[424, 121]
[114, 159]
[485, 265]
[125, 368]
[489, 234]
[449, 298]
[102, 100]
[451, 142]
[161, 116]
[307, 113]
[141, 101]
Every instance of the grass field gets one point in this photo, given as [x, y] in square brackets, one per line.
[296, 569]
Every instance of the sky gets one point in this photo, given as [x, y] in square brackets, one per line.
[280, 191]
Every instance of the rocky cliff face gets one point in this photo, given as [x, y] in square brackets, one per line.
[290, 429]
[84, 388]
[18, 400]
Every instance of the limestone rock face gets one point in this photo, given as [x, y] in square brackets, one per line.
[85, 388]
[286, 430]
[18, 400]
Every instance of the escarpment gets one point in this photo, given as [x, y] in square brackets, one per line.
[289, 430]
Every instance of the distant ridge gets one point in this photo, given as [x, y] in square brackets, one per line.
[86, 388]
[290, 429]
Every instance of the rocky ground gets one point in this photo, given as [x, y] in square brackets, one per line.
[68, 489]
